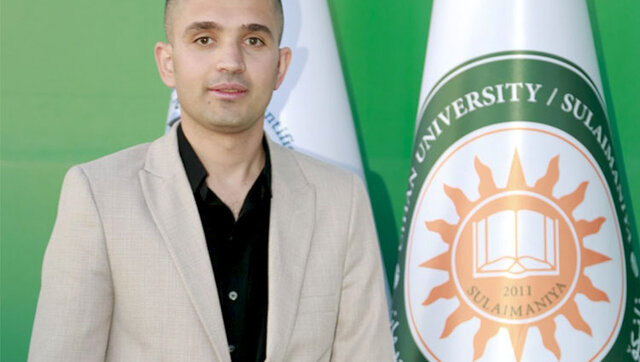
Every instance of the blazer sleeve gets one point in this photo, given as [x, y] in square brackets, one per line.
[363, 331]
[74, 309]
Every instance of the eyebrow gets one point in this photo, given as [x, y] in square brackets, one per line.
[212, 25]
[259, 28]
[202, 25]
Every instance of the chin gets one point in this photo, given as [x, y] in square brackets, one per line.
[229, 126]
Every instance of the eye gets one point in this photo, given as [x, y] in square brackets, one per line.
[254, 41]
[204, 40]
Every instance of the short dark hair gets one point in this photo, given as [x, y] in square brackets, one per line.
[276, 3]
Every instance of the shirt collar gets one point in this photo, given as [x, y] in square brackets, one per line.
[197, 174]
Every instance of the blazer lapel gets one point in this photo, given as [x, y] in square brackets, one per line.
[170, 200]
[290, 229]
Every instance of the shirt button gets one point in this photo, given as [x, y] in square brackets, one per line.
[233, 295]
[232, 348]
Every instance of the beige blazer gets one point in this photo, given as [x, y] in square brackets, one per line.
[127, 277]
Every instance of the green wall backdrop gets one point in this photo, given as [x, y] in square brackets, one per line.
[78, 80]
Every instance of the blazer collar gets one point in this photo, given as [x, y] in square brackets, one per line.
[290, 228]
[171, 203]
[173, 208]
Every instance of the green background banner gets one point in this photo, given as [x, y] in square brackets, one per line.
[78, 81]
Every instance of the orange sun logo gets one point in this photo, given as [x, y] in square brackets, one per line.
[516, 258]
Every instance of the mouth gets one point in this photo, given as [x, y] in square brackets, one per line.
[228, 91]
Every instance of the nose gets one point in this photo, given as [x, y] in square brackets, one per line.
[230, 58]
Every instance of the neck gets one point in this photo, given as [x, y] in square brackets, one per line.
[232, 160]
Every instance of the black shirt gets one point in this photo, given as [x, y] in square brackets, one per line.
[238, 253]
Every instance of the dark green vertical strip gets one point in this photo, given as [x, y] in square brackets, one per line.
[619, 352]
[613, 120]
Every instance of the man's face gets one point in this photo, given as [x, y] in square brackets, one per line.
[224, 60]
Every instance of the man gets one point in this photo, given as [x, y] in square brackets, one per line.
[212, 243]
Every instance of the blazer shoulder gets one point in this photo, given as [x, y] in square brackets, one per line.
[121, 164]
[319, 173]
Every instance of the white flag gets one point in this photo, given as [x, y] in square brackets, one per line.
[516, 241]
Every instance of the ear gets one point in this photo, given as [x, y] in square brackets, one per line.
[283, 65]
[164, 60]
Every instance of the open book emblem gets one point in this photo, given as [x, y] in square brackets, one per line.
[515, 243]
[517, 257]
